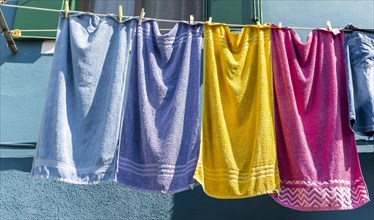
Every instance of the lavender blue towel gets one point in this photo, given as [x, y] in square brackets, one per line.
[80, 126]
[160, 136]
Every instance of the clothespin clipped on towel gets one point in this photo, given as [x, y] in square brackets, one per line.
[66, 9]
[280, 25]
[328, 24]
[335, 31]
[141, 16]
[120, 15]
[191, 19]
[210, 20]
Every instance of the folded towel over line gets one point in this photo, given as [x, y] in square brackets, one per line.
[318, 160]
[160, 135]
[80, 125]
[238, 152]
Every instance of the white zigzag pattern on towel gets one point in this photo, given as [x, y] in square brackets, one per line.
[316, 198]
[317, 183]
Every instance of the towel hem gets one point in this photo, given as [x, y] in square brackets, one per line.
[322, 195]
[124, 185]
[270, 191]
[59, 173]
[67, 180]
[319, 209]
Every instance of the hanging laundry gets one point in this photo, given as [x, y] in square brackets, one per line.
[359, 59]
[160, 136]
[80, 125]
[317, 155]
[238, 152]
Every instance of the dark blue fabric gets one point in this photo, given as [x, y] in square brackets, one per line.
[359, 57]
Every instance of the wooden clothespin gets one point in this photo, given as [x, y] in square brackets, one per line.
[280, 25]
[66, 8]
[120, 15]
[141, 16]
[191, 19]
[335, 31]
[210, 20]
[328, 24]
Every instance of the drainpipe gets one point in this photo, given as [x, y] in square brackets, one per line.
[260, 11]
[257, 11]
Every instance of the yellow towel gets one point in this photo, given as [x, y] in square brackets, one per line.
[238, 153]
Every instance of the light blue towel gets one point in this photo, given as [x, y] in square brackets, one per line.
[160, 136]
[79, 132]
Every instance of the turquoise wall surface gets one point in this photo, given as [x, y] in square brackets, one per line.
[315, 13]
[23, 83]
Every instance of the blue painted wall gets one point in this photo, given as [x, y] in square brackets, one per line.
[24, 79]
[23, 83]
[315, 13]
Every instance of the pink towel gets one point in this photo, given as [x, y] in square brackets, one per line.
[318, 160]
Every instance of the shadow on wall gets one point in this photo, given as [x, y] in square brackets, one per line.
[23, 198]
[194, 204]
[28, 52]
[21, 164]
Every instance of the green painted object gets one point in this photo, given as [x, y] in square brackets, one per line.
[26, 19]
[230, 12]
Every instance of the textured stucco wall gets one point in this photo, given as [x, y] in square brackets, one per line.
[24, 198]
[24, 79]
[23, 83]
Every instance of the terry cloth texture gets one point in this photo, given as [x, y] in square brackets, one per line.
[317, 155]
[160, 137]
[79, 132]
[238, 152]
[359, 60]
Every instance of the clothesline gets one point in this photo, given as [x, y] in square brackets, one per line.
[156, 19]
[202, 142]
